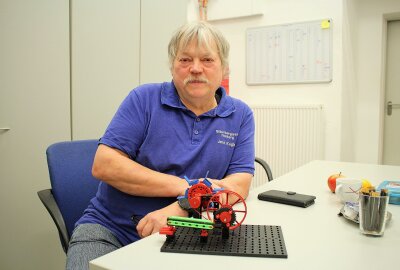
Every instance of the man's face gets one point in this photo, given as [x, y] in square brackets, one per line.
[197, 72]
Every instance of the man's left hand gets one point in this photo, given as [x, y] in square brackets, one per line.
[154, 221]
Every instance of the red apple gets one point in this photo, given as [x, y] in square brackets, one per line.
[332, 181]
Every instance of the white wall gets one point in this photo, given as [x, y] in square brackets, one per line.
[280, 12]
[354, 100]
[349, 103]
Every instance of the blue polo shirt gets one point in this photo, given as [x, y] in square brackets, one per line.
[154, 128]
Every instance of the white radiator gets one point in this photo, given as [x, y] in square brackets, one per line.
[286, 137]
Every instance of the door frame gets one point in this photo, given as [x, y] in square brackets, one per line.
[382, 111]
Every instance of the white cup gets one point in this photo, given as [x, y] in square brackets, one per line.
[347, 189]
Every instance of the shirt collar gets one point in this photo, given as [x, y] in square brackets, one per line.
[170, 97]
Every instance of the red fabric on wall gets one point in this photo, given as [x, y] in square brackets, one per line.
[225, 84]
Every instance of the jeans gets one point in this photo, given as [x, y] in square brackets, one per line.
[88, 242]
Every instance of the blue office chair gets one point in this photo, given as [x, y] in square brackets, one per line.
[72, 184]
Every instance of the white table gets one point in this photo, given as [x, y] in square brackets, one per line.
[315, 237]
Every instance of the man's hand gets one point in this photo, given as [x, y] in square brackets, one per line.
[154, 221]
[238, 182]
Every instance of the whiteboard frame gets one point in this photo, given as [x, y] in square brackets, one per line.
[284, 81]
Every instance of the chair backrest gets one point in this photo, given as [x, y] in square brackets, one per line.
[262, 173]
[266, 168]
[72, 183]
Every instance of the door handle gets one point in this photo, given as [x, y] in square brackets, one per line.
[4, 129]
[390, 106]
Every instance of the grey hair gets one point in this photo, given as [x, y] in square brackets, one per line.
[205, 34]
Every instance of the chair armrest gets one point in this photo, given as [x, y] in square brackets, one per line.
[266, 167]
[47, 198]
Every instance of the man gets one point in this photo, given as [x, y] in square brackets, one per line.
[160, 133]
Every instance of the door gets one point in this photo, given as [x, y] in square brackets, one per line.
[391, 143]
[34, 112]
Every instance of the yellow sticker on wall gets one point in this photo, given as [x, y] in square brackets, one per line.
[325, 24]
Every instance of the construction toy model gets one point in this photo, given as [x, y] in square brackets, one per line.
[226, 210]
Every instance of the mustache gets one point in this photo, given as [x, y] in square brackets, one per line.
[191, 79]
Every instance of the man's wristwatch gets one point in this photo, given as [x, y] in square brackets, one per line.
[184, 204]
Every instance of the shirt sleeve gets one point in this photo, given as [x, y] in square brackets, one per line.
[127, 128]
[244, 152]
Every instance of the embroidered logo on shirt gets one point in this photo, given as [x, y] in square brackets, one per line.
[226, 137]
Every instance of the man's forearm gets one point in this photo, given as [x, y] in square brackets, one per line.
[119, 171]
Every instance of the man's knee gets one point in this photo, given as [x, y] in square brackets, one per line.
[88, 242]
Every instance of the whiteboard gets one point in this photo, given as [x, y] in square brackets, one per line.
[289, 53]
